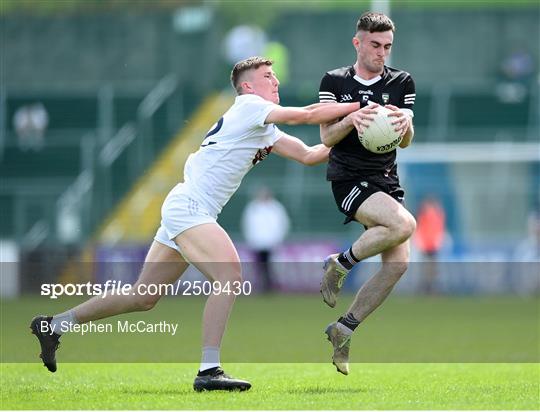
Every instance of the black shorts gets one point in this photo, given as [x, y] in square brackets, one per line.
[350, 194]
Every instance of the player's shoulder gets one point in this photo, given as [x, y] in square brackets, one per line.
[341, 72]
[394, 74]
[250, 102]
[251, 99]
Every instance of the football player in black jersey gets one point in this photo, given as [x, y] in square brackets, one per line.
[366, 185]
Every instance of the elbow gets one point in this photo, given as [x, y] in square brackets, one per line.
[312, 157]
[314, 162]
[405, 143]
[407, 140]
[326, 141]
[317, 155]
[308, 159]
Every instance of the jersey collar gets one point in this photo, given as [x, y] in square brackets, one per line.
[364, 81]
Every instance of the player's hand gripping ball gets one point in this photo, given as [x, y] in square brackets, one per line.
[381, 136]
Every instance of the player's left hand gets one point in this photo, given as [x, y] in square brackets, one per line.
[402, 121]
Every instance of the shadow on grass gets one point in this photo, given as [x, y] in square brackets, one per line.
[314, 390]
[188, 390]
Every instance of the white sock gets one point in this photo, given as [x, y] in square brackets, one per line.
[210, 358]
[59, 322]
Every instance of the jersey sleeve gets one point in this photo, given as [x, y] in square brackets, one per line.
[259, 111]
[327, 90]
[276, 135]
[409, 95]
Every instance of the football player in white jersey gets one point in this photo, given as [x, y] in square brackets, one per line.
[189, 232]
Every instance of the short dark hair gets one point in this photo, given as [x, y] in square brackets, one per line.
[374, 22]
[243, 66]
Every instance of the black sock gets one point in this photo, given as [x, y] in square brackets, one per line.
[347, 259]
[349, 320]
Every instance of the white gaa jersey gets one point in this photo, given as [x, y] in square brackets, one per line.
[234, 144]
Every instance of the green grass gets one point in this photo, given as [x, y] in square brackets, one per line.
[275, 386]
[289, 329]
[412, 353]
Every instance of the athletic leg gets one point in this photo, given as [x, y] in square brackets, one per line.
[209, 249]
[372, 293]
[388, 224]
[370, 296]
[163, 265]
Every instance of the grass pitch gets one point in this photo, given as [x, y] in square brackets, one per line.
[275, 386]
[413, 353]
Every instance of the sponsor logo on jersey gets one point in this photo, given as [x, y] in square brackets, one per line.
[365, 92]
[261, 155]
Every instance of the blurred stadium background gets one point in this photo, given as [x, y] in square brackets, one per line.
[130, 91]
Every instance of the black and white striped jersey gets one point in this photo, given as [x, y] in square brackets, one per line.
[349, 159]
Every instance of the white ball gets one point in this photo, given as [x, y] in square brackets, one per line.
[380, 137]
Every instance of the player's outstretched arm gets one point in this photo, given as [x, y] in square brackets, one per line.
[293, 148]
[313, 114]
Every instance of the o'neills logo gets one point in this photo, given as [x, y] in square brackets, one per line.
[391, 145]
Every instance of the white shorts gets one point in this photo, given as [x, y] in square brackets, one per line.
[180, 212]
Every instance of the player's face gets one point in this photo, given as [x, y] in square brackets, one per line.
[373, 49]
[263, 82]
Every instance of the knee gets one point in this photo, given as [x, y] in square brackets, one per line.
[404, 227]
[234, 275]
[229, 272]
[144, 302]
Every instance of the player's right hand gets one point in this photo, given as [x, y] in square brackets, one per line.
[361, 118]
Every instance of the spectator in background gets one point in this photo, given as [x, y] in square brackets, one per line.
[517, 73]
[429, 237]
[265, 224]
[527, 256]
[529, 249]
[30, 123]
[244, 41]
